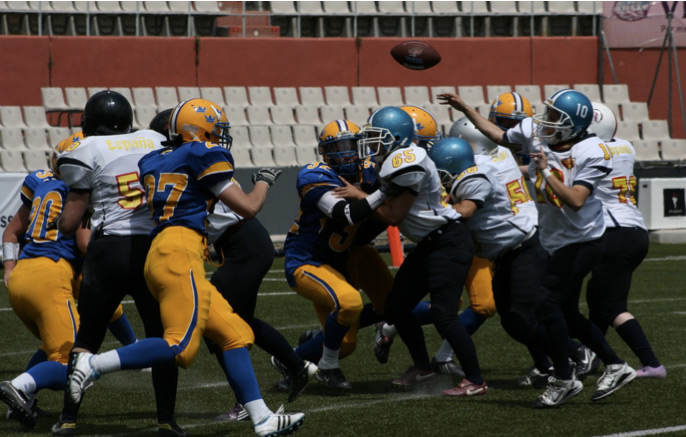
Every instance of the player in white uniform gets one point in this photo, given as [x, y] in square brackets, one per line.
[571, 226]
[102, 174]
[626, 244]
[441, 260]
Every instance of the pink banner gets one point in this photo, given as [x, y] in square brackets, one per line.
[643, 24]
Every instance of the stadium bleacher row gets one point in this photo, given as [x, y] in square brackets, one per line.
[278, 126]
[302, 18]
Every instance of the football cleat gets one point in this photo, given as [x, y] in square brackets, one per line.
[171, 429]
[652, 372]
[382, 344]
[299, 380]
[83, 377]
[279, 424]
[64, 429]
[237, 414]
[615, 377]
[534, 378]
[467, 388]
[449, 368]
[415, 377]
[583, 360]
[37, 411]
[19, 403]
[557, 392]
[334, 379]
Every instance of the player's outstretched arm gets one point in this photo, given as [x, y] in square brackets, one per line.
[489, 129]
[248, 205]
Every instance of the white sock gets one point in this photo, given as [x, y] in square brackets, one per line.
[257, 410]
[25, 383]
[329, 359]
[389, 330]
[445, 353]
[106, 362]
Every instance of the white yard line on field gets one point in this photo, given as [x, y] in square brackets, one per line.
[654, 431]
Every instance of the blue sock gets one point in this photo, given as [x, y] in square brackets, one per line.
[471, 320]
[421, 313]
[145, 353]
[311, 350]
[122, 331]
[37, 358]
[334, 332]
[49, 374]
[241, 376]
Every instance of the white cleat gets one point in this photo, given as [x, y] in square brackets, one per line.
[82, 377]
[615, 377]
[279, 424]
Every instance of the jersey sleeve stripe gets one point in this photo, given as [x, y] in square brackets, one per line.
[27, 193]
[219, 167]
[585, 184]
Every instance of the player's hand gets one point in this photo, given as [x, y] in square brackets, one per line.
[453, 100]
[268, 175]
[348, 191]
[9, 266]
[540, 159]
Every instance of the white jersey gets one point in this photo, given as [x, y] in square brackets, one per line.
[508, 173]
[586, 163]
[107, 167]
[617, 191]
[412, 168]
[220, 220]
[496, 226]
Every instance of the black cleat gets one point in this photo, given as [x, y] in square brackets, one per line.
[19, 403]
[64, 429]
[171, 429]
[334, 379]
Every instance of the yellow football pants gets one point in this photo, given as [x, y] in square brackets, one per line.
[190, 305]
[40, 293]
[479, 287]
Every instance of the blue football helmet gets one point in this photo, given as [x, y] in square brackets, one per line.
[452, 156]
[338, 147]
[567, 115]
[387, 129]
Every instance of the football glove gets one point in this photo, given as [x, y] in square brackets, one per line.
[268, 175]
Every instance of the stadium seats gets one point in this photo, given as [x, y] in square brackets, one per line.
[236, 116]
[618, 94]
[282, 136]
[417, 95]
[35, 116]
[306, 154]
[365, 96]
[262, 156]
[236, 96]
[628, 130]
[76, 97]
[241, 138]
[11, 161]
[590, 90]
[192, 92]
[472, 95]
[241, 157]
[549, 90]
[307, 115]
[655, 130]
[144, 97]
[634, 111]
[305, 135]
[493, 91]
[337, 95]
[258, 115]
[331, 113]
[10, 116]
[166, 97]
[259, 96]
[673, 150]
[285, 156]
[36, 138]
[213, 94]
[533, 94]
[282, 114]
[357, 114]
[646, 150]
[286, 96]
[260, 137]
[12, 138]
[312, 96]
[436, 90]
[36, 160]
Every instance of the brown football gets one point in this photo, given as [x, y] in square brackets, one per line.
[415, 55]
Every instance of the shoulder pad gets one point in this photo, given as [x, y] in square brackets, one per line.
[403, 160]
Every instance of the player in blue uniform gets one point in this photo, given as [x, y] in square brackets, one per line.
[182, 183]
[40, 282]
[319, 244]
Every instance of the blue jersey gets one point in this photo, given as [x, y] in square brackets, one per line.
[182, 183]
[45, 195]
[315, 238]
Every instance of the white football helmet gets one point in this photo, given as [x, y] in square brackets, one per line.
[604, 123]
[465, 129]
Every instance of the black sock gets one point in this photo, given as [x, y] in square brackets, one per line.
[271, 340]
[368, 316]
[633, 335]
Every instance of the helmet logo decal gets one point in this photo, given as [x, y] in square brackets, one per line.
[200, 109]
[597, 116]
[210, 119]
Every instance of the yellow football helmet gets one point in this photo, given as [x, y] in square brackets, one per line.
[199, 120]
[62, 147]
[508, 109]
[338, 147]
[427, 127]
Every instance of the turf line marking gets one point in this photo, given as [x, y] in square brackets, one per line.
[655, 431]
[668, 258]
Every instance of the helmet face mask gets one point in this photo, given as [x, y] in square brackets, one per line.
[199, 120]
[338, 146]
[387, 129]
[567, 116]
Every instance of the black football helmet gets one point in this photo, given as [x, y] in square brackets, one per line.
[160, 122]
[107, 113]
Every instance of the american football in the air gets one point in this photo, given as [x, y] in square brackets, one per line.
[415, 55]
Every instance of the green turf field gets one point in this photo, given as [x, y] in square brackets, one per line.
[122, 404]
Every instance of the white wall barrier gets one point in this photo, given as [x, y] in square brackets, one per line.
[10, 186]
[663, 203]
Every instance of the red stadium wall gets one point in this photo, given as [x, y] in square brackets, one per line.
[34, 62]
